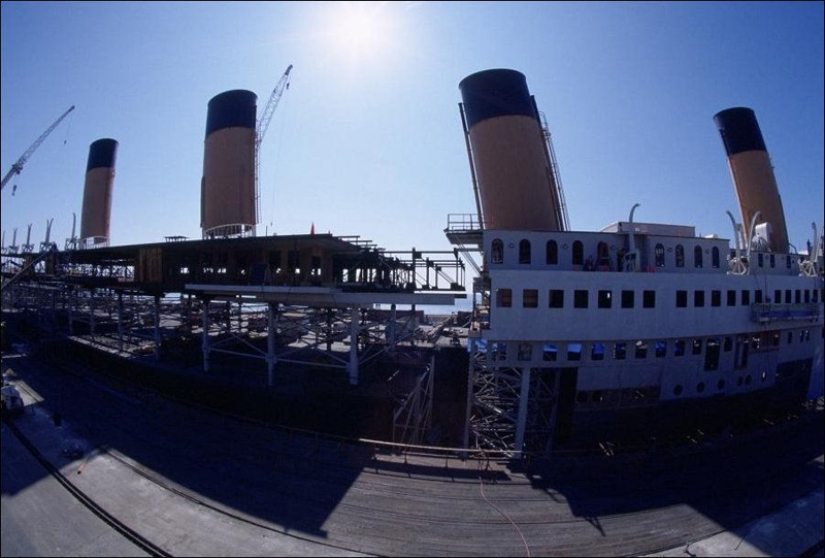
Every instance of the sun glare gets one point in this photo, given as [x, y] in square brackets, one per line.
[361, 29]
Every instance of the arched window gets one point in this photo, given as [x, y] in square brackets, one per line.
[697, 256]
[524, 251]
[578, 253]
[680, 255]
[714, 257]
[497, 255]
[603, 255]
[552, 253]
[659, 254]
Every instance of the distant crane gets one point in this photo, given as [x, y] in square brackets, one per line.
[18, 166]
[262, 126]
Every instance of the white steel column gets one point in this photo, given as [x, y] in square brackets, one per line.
[524, 397]
[271, 332]
[157, 327]
[205, 334]
[352, 366]
[471, 367]
[120, 321]
[391, 337]
[71, 300]
[92, 312]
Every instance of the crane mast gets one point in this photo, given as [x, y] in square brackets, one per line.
[260, 131]
[17, 167]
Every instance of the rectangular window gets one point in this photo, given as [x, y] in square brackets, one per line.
[712, 354]
[728, 344]
[746, 298]
[649, 299]
[698, 299]
[740, 356]
[628, 299]
[661, 349]
[597, 351]
[550, 352]
[525, 351]
[681, 299]
[679, 347]
[808, 296]
[580, 299]
[499, 351]
[757, 296]
[731, 298]
[504, 298]
[605, 299]
[641, 349]
[620, 350]
[530, 298]
[797, 296]
[556, 299]
[697, 346]
[777, 296]
[574, 351]
[788, 297]
[716, 298]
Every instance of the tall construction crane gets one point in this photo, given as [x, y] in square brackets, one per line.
[261, 128]
[18, 166]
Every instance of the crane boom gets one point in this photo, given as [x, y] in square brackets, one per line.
[269, 109]
[261, 128]
[18, 166]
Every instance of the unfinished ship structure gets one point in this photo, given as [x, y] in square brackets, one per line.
[633, 332]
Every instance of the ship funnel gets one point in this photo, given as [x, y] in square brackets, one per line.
[753, 176]
[508, 153]
[228, 204]
[97, 193]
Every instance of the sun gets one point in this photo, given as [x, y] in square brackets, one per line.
[361, 29]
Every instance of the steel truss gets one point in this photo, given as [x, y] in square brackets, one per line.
[511, 410]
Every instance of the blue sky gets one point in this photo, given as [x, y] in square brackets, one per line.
[368, 140]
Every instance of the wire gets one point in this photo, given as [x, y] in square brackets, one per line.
[507, 517]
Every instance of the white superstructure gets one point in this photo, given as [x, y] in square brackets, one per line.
[636, 319]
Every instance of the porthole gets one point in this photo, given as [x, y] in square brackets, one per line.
[597, 397]
[764, 376]
[739, 381]
[701, 387]
[678, 390]
[748, 379]
[720, 384]
[581, 397]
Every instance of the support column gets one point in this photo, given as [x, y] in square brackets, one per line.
[92, 312]
[523, 399]
[470, 381]
[205, 334]
[120, 321]
[157, 327]
[71, 300]
[271, 333]
[391, 333]
[352, 366]
[329, 329]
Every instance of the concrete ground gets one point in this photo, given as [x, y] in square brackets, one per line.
[128, 473]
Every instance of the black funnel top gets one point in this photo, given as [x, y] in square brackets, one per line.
[231, 109]
[739, 130]
[494, 93]
[102, 154]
